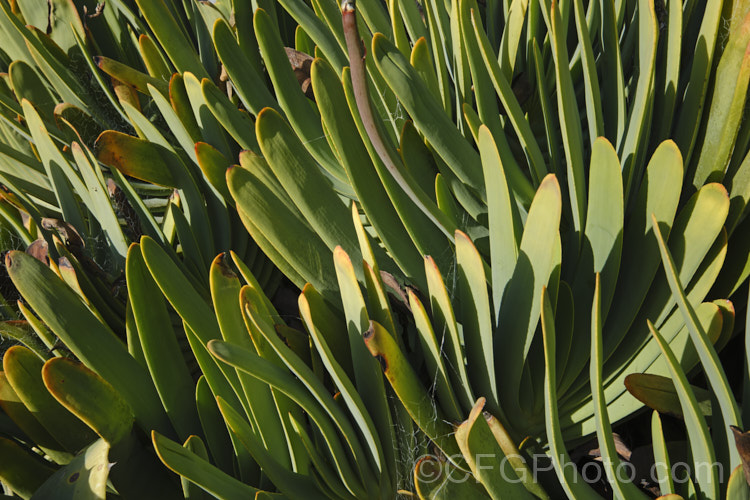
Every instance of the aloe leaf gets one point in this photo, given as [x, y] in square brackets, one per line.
[614, 109]
[668, 74]
[476, 318]
[444, 319]
[428, 116]
[693, 101]
[191, 466]
[610, 458]
[23, 370]
[504, 219]
[27, 84]
[590, 78]
[277, 377]
[225, 291]
[135, 157]
[661, 456]
[288, 482]
[64, 179]
[89, 397]
[409, 389]
[242, 73]
[632, 150]
[130, 76]
[476, 441]
[737, 486]
[358, 408]
[154, 60]
[84, 477]
[569, 123]
[727, 102]
[657, 195]
[171, 37]
[708, 357]
[327, 475]
[238, 124]
[15, 409]
[431, 352]
[92, 342]
[566, 471]
[161, 350]
[318, 31]
[511, 106]
[603, 239]
[21, 470]
[214, 166]
[214, 428]
[437, 479]
[424, 225]
[700, 440]
[275, 222]
[521, 304]
[361, 172]
[659, 393]
[298, 174]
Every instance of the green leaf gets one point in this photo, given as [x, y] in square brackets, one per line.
[727, 105]
[521, 304]
[610, 458]
[659, 393]
[476, 441]
[89, 397]
[632, 149]
[320, 406]
[709, 358]
[196, 469]
[171, 37]
[274, 222]
[409, 389]
[661, 455]
[428, 115]
[567, 472]
[372, 195]
[569, 122]
[504, 220]
[700, 440]
[23, 472]
[135, 157]
[15, 409]
[85, 477]
[23, 370]
[161, 350]
[476, 318]
[132, 77]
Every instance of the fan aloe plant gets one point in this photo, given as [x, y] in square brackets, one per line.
[524, 145]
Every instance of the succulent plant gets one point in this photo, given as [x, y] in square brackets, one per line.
[545, 156]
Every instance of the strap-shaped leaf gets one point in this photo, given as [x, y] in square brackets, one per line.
[290, 483]
[89, 397]
[91, 341]
[191, 466]
[709, 358]
[21, 470]
[610, 458]
[320, 410]
[429, 118]
[486, 459]
[567, 472]
[410, 390]
[161, 351]
[661, 456]
[700, 440]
